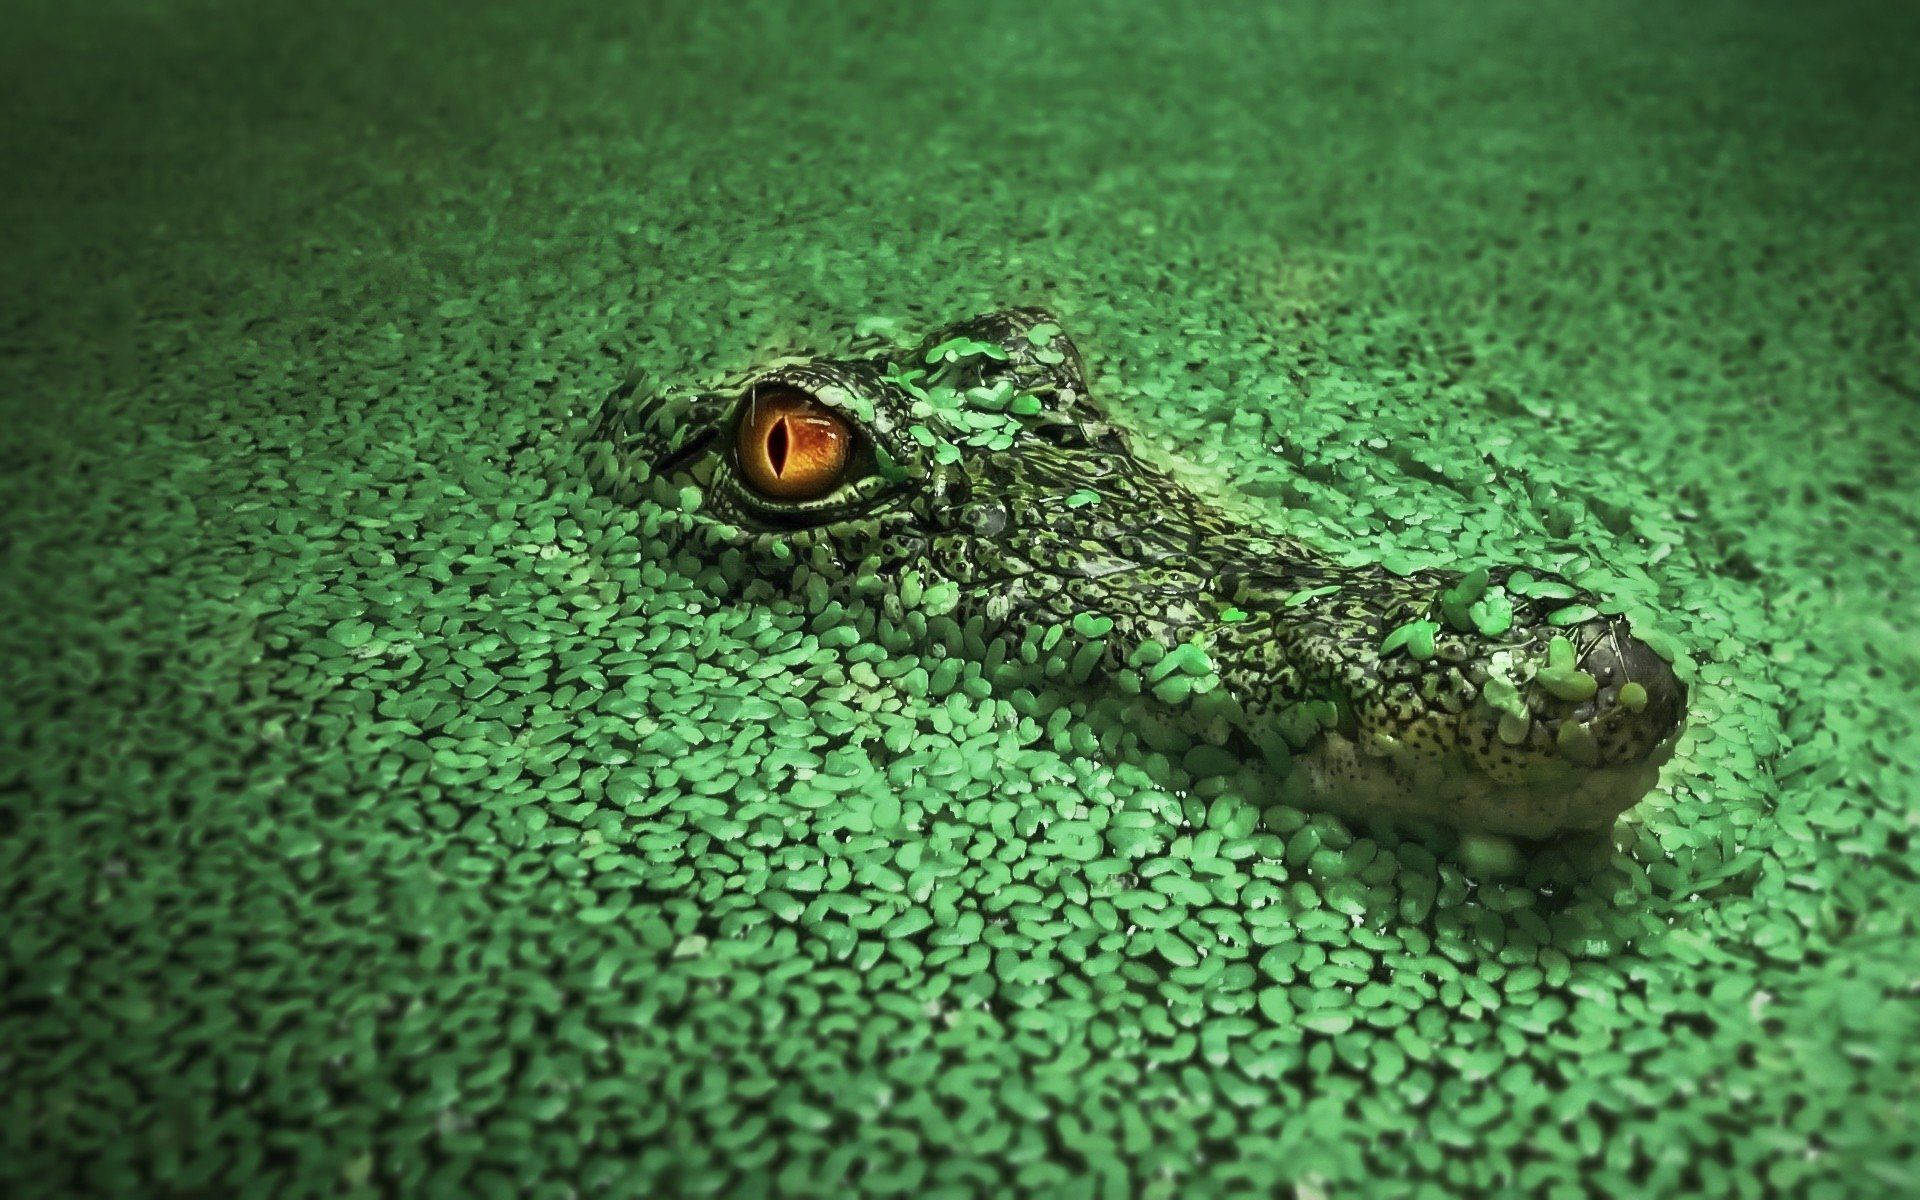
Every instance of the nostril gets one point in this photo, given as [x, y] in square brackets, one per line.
[1617, 658]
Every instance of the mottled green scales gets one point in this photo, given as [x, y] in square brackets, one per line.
[995, 509]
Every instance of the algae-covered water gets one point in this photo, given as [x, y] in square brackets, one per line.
[381, 813]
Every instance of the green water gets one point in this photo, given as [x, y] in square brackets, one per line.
[377, 816]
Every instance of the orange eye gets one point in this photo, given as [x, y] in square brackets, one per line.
[791, 446]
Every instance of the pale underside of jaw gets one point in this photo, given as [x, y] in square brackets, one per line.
[1556, 799]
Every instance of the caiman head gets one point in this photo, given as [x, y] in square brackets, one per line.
[970, 493]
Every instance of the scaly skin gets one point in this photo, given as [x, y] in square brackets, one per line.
[994, 496]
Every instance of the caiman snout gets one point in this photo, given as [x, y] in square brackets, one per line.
[1638, 700]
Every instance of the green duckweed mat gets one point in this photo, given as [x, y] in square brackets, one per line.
[378, 817]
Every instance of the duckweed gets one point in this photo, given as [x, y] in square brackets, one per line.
[1415, 637]
[1561, 678]
[383, 813]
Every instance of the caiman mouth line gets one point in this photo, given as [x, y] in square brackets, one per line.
[969, 492]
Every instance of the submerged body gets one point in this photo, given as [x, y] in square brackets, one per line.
[972, 483]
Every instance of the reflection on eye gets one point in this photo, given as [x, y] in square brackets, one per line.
[791, 446]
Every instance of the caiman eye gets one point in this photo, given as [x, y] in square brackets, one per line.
[791, 446]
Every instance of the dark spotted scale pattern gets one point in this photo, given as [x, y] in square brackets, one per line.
[988, 477]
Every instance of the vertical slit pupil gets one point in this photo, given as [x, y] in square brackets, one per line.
[777, 446]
